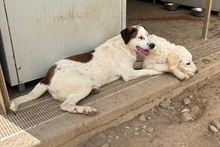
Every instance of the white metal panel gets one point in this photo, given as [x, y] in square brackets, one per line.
[6, 56]
[44, 31]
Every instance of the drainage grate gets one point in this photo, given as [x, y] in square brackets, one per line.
[29, 117]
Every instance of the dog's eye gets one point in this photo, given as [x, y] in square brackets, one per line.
[188, 63]
[141, 38]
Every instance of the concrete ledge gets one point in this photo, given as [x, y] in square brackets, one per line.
[115, 108]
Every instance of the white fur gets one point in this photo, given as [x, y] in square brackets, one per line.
[168, 57]
[73, 81]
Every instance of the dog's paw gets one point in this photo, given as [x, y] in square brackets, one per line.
[190, 74]
[89, 111]
[183, 77]
[13, 106]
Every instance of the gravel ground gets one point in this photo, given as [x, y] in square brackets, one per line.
[191, 119]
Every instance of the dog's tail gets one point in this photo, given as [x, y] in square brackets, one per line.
[38, 90]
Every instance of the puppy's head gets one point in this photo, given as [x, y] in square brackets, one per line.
[136, 37]
[182, 59]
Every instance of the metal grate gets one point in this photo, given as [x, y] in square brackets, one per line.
[29, 117]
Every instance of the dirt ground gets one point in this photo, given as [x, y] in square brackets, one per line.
[166, 126]
[179, 26]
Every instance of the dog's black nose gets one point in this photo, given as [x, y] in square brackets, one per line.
[152, 45]
[196, 71]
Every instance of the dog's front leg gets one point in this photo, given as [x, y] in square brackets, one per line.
[180, 75]
[158, 67]
[134, 74]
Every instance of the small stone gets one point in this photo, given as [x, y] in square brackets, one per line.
[186, 101]
[166, 103]
[144, 127]
[127, 127]
[185, 110]
[191, 96]
[186, 117]
[216, 124]
[106, 145]
[136, 129]
[102, 136]
[213, 129]
[171, 108]
[117, 137]
[150, 130]
[195, 111]
[136, 133]
[148, 118]
[142, 118]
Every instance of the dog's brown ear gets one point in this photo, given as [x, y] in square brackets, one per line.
[173, 61]
[128, 33]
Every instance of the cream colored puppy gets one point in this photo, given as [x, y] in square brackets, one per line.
[168, 57]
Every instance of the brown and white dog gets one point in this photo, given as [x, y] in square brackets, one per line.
[73, 78]
[168, 57]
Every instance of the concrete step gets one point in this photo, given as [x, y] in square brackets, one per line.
[118, 102]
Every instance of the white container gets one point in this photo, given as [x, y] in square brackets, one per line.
[37, 33]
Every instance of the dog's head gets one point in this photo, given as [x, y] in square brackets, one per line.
[182, 60]
[136, 37]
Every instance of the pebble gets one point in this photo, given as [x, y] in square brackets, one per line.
[144, 127]
[102, 136]
[136, 129]
[195, 110]
[136, 133]
[117, 137]
[150, 130]
[166, 103]
[142, 118]
[127, 127]
[106, 145]
[191, 96]
[185, 110]
[213, 129]
[171, 108]
[186, 101]
[149, 118]
[186, 116]
[216, 124]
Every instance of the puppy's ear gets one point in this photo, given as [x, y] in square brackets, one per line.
[173, 61]
[128, 33]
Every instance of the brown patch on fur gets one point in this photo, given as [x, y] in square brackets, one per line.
[128, 33]
[95, 91]
[83, 58]
[47, 79]
[76, 110]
